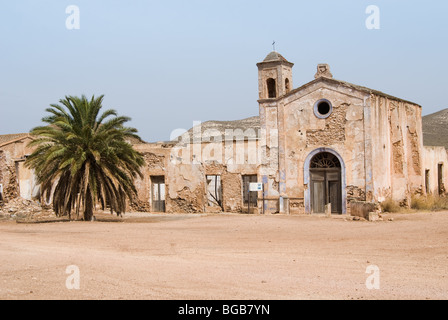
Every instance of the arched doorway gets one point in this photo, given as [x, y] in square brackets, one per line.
[325, 178]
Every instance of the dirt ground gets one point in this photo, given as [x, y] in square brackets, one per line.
[227, 256]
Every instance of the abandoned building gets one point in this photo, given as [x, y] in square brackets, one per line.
[15, 179]
[325, 142]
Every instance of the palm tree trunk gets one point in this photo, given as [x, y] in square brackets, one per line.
[78, 205]
[88, 209]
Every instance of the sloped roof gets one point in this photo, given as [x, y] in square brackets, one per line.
[348, 85]
[8, 138]
[274, 56]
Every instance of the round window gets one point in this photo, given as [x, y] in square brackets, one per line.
[323, 109]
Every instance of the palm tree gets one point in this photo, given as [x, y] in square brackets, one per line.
[82, 158]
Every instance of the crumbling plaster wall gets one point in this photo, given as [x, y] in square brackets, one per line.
[185, 168]
[8, 178]
[185, 188]
[231, 183]
[433, 156]
[397, 146]
[268, 170]
[17, 180]
[236, 158]
[155, 156]
[155, 164]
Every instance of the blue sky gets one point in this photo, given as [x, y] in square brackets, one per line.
[169, 63]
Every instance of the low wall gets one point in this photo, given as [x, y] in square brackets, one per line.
[362, 209]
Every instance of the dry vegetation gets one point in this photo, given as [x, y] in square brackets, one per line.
[390, 205]
[430, 202]
[418, 203]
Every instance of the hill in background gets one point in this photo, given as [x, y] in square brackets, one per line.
[435, 129]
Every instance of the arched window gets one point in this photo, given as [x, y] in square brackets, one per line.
[325, 160]
[272, 91]
[287, 85]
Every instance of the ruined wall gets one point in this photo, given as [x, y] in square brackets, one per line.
[17, 180]
[232, 192]
[8, 178]
[386, 146]
[185, 188]
[231, 188]
[333, 131]
[154, 166]
[230, 159]
[268, 170]
[237, 158]
[185, 168]
[433, 156]
[398, 142]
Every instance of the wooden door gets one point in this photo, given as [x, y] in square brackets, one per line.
[325, 189]
[325, 186]
[249, 197]
[318, 194]
[334, 195]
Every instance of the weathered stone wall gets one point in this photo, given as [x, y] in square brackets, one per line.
[355, 194]
[362, 209]
[397, 148]
[333, 131]
[268, 171]
[8, 178]
[185, 185]
[155, 164]
[231, 179]
[17, 180]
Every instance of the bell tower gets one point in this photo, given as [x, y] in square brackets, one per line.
[274, 76]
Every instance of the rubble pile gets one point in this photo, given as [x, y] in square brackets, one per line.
[23, 209]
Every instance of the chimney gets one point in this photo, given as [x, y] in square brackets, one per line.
[323, 70]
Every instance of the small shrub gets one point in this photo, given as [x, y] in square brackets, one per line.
[390, 205]
[421, 202]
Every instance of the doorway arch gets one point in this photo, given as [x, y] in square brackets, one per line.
[325, 178]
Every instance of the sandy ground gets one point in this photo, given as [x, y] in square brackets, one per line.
[227, 256]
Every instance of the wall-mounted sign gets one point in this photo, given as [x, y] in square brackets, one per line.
[255, 187]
